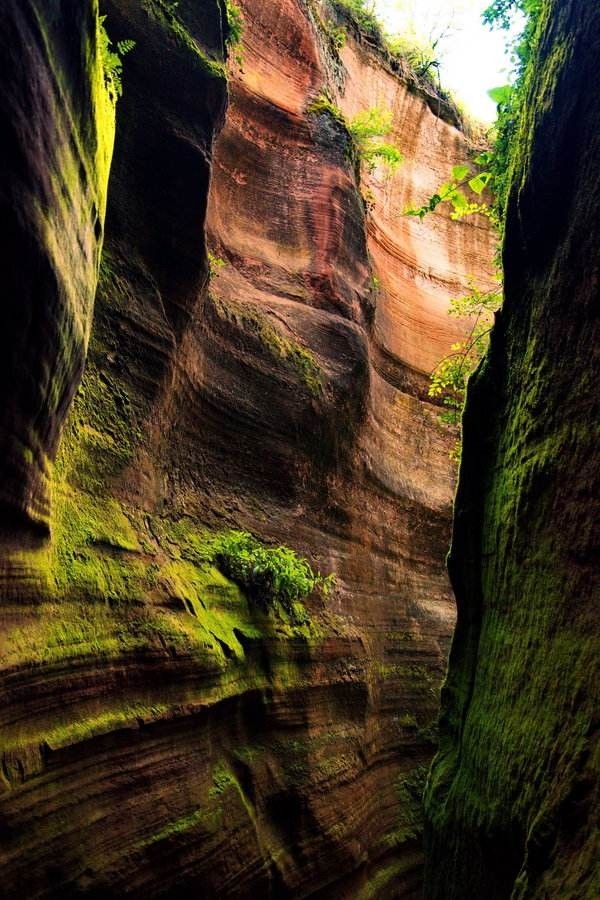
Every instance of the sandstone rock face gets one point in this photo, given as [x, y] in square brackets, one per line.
[162, 735]
[58, 124]
[513, 802]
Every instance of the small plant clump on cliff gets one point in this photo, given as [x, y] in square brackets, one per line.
[235, 30]
[367, 128]
[215, 264]
[235, 22]
[322, 104]
[363, 12]
[267, 574]
[449, 378]
[112, 61]
[420, 55]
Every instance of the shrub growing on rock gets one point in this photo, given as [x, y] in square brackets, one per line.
[266, 574]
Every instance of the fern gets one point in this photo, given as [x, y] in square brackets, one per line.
[112, 61]
[125, 47]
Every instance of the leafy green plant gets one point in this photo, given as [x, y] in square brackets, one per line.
[463, 178]
[492, 167]
[449, 378]
[420, 55]
[373, 122]
[235, 30]
[366, 128]
[112, 61]
[510, 98]
[267, 574]
[235, 22]
[338, 36]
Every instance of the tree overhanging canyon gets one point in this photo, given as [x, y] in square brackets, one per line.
[226, 496]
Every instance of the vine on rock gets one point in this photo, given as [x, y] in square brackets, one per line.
[463, 192]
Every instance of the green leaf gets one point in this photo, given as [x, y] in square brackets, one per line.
[480, 182]
[484, 159]
[459, 173]
[459, 201]
[500, 94]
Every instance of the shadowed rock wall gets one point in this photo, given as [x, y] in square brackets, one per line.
[513, 799]
[58, 122]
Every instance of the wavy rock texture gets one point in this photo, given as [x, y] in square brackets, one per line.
[161, 734]
[58, 134]
[513, 801]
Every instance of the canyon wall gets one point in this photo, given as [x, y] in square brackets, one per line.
[513, 799]
[58, 117]
[161, 734]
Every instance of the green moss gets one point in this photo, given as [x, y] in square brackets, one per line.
[322, 105]
[407, 720]
[298, 359]
[223, 779]
[384, 877]
[215, 602]
[105, 722]
[66, 630]
[409, 821]
[103, 103]
[206, 821]
[515, 735]
[165, 13]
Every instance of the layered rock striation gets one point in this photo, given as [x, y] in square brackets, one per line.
[161, 732]
[58, 119]
[513, 799]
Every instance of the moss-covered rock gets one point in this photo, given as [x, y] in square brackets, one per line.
[512, 801]
[58, 119]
